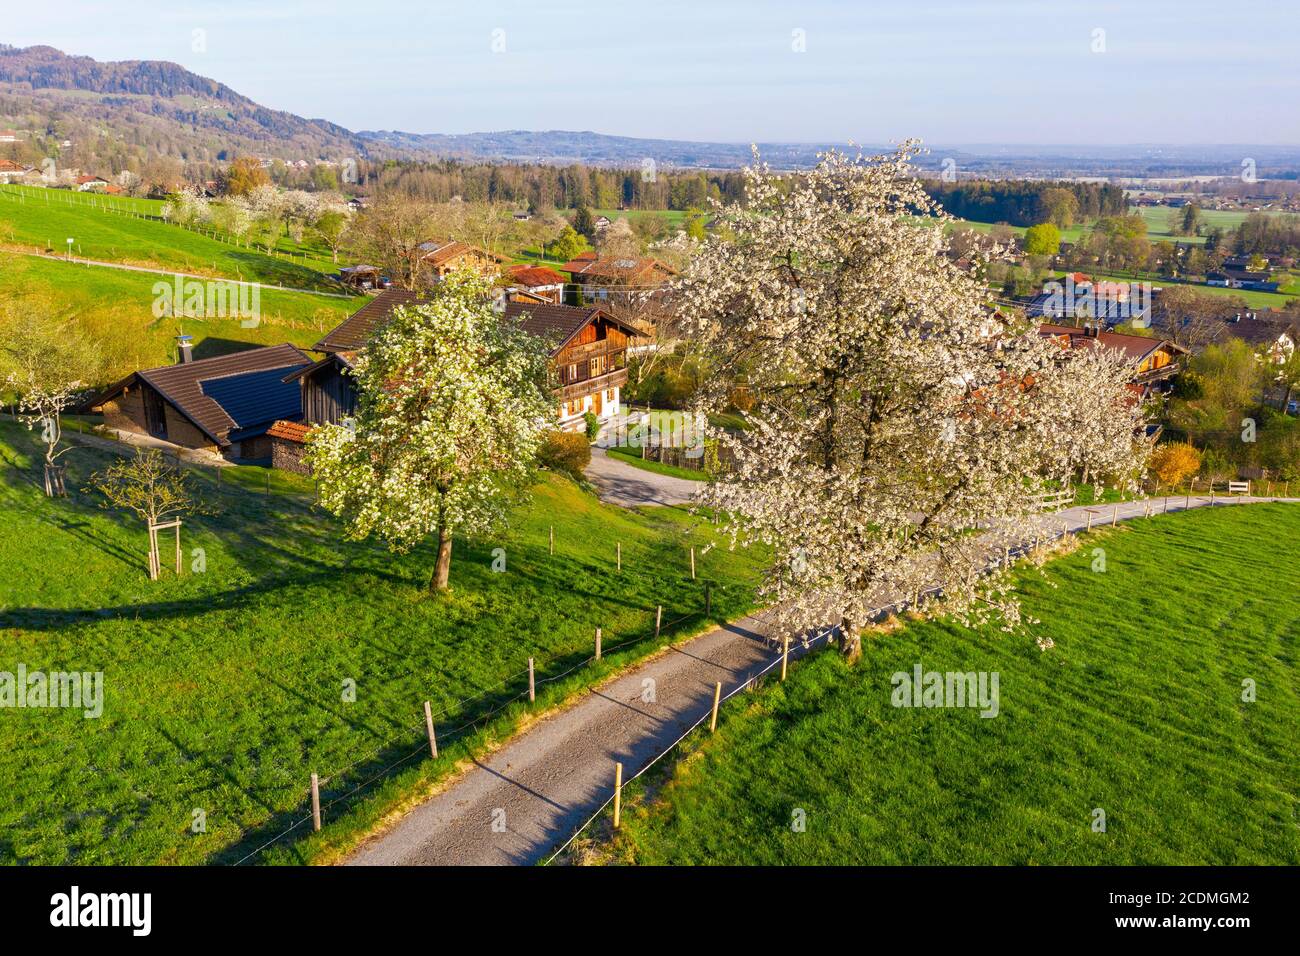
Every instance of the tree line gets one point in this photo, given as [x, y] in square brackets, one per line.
[1028, 202]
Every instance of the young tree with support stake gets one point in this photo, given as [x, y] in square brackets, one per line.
[452, 406]
[893, 412]
[152, 487]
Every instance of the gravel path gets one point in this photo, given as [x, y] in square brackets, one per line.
[522, 802]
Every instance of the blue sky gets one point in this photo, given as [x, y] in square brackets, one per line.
[969, 72]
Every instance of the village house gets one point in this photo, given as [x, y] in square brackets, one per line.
[534, 283]
[599, 278]
[1274, 339]
[12, 172]
[588, 359]
[8, 136]
[1154, 361]
[87, 184]
[224, 405]
[1241, 279]
[442, 257]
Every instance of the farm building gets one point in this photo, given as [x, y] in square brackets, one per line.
[223, 405]
[1155, 361]
[537, 282]
[442, 257]
[588, 360]
[600, 277]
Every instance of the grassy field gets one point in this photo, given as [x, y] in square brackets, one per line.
[1137, 711]
[43, 219]
[115, 308]
[632, 456]
[1256, 300]
[224, 689]
[1157, 220]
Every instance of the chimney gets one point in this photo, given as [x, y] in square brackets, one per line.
[184, 349]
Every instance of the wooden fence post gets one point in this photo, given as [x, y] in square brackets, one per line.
[597, 643]
[659, 617]
[692, 562]
[178, 547]
[428, 725]
[618, 793]
[532, 684]
[785, 655]
[1090, 519]
[618, 552]
[717, 699]
[315, 803]
[552, 533]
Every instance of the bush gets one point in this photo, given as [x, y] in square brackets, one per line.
[1174, 462]
[592, 426]
[568, 452]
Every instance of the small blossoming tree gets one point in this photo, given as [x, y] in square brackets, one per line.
[894, 414]
[452, 408]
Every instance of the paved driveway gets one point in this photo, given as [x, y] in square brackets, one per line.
[622, 484]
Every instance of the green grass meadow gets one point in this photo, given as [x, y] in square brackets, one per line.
[225, 687]
[115, 308]
[1137, 710]
[43, 219]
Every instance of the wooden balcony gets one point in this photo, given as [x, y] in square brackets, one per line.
[581, 387]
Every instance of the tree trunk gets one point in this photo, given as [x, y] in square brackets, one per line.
[850, 641]
[442, 570]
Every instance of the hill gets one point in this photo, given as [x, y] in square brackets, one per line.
[153, 109]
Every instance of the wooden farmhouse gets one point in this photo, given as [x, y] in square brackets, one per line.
[600, 278]
[442, 257]
[1155, 361]
[223, 405]
[588, 349]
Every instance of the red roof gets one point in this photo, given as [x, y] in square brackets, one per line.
[1135, 347]
[289, 431]
[533, 276]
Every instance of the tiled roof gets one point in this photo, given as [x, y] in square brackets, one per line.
[555, 323]
[438, 251]
[1136, 347]
[289, 431]
[229, 397]
[352, 332]
[533, 276]
[590, 265]
[558, 323]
